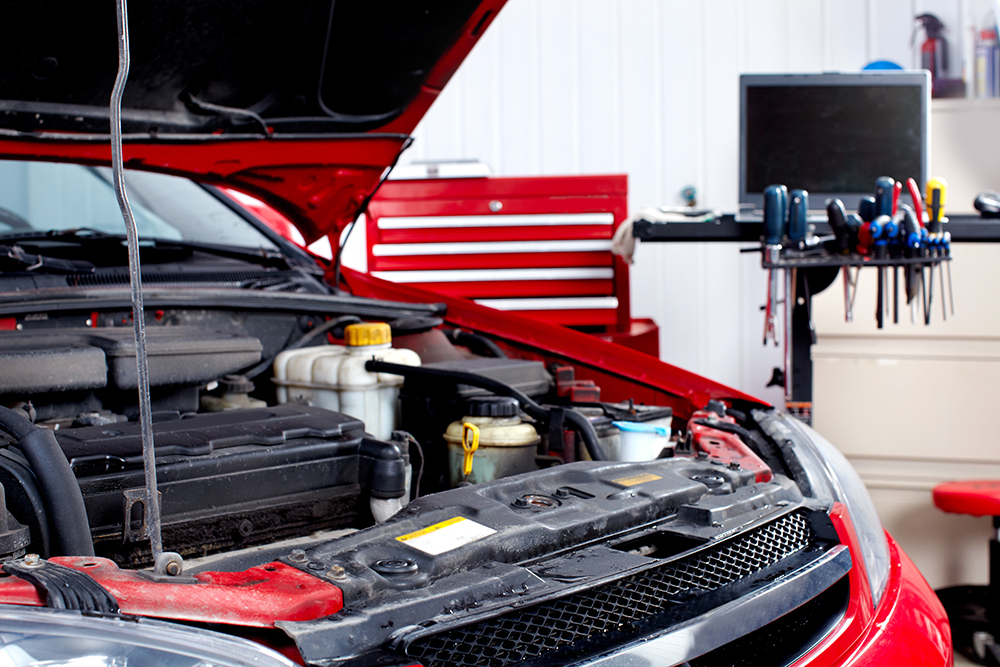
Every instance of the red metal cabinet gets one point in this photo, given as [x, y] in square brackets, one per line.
[538, 246]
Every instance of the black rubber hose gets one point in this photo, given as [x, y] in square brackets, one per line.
[726, 427]
[481, 343]
[577, 421]
[60, 491]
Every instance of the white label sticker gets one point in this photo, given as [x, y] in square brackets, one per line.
[445, 536]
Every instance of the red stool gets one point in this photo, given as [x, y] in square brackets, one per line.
[974, 611]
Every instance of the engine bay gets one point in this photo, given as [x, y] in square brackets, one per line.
[256, 442]
[392, 487]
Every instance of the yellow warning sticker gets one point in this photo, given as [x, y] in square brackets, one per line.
[636, 479]
[445, 536]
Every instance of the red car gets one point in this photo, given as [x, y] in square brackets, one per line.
[350, 471]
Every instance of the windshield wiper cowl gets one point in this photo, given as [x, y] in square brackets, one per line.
[14, 258]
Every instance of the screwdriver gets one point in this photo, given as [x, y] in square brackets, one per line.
[937, 190]
[866, 209]
[798, 211]
[946, 244]
[918, 211]
[910, 235]
[885, 193]
[775, 216]
[885, 189]
[854, 223]
[879, 245]
[890, 232]
[837, 217]
[918, 208]
[925, 251]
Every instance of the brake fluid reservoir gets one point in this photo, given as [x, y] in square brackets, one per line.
[334, 376]
[506, 445]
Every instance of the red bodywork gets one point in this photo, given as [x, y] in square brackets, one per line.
[724, 446]
[909, 627]
[257, 597]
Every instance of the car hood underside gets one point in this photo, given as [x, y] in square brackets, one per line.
[311, 103]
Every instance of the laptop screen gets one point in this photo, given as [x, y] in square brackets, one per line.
[832, 134]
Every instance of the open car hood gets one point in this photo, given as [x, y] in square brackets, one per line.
[303, 105]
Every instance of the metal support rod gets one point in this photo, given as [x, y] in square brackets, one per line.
[152, 505]
[790, 277]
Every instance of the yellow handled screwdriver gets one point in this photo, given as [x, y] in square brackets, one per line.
[937, 194]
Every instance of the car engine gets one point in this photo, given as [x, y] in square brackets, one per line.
[251, 451]
[341, 448]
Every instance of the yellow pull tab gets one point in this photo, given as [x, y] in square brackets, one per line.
[469, 447]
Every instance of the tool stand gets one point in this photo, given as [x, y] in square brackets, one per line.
[974, 611]
[814, 275]
[812, 272]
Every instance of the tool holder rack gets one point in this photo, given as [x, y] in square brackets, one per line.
[803, 260]
[726, 229]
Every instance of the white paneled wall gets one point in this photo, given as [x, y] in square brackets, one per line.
[650, 88]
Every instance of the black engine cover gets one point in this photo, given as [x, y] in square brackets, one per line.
[229, 479]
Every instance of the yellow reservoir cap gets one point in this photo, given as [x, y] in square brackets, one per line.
[367, 333]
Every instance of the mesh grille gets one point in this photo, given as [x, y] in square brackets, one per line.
[529, 633]
[262, 280]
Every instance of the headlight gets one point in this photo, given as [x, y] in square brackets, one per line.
[36, 637]
[833, 478]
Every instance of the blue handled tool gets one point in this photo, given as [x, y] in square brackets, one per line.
[775, 224]
[885, 189]
[866, 208]
[891, 233]
[880, 245]
[775, 214]
[798, 211]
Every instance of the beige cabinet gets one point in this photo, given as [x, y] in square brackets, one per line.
[912, 406]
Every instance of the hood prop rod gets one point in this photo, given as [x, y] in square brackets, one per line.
[165, 564]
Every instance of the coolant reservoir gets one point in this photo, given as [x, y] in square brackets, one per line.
[334, 376]
[506, 446]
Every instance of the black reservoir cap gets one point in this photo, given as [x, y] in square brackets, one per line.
[491, 406]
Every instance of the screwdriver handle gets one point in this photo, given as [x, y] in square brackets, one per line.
[918, 204]
[897, 188]
[798, 211]
[775, 213]
[866, 208]
[884, 189]
[937, 191]
[838, 222]
[911, 229]
[890, 229]
[877, 228]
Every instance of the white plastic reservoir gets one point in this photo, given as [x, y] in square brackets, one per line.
[334, 376]
[639, 441]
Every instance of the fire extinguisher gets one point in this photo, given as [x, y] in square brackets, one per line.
[934, 50]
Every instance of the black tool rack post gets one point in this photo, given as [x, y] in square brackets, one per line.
[813, 275]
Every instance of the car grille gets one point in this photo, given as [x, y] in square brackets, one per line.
[784, 640]
[530, 633]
